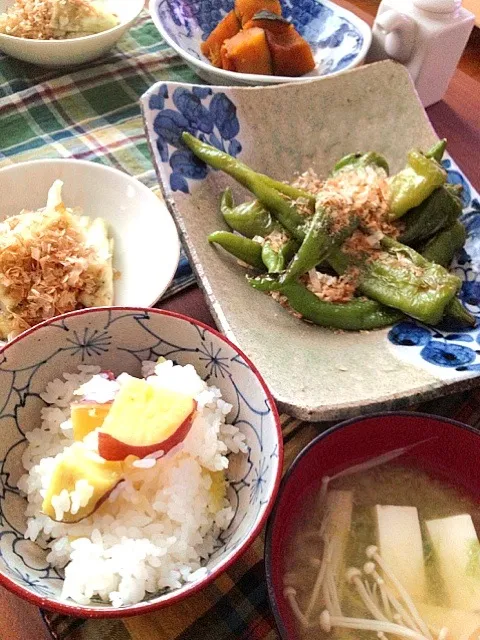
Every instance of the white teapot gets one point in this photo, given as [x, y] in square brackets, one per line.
[427, 36]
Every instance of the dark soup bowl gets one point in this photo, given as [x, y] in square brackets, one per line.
[375, 530]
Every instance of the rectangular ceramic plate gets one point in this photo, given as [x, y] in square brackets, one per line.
[314, 373]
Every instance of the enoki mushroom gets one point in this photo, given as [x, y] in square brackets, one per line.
[384, 597]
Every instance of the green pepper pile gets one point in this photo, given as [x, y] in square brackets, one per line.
[410, 278]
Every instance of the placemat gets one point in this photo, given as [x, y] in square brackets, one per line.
[91, 113]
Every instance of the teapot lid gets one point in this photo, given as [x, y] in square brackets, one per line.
[438, 6]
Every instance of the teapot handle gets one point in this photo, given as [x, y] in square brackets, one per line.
[398, 31]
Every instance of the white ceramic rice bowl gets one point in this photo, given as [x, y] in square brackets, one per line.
[75, 51]
[146, 245]
[118, 339]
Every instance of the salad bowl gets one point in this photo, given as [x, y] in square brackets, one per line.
[124, 203]
[314, 373]
[338, 38]
[74, 51]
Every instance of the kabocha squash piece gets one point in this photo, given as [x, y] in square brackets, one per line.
[270, 22]
[246, 9]
[247, 52]
[291, 54]
[225, 29]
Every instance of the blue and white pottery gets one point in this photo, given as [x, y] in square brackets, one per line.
[119, 339]
[314, 373]
[339, 39]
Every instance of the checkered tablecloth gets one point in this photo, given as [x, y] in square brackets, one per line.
[93, 113]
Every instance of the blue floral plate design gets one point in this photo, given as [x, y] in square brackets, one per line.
[448, 350]
[119, 339]
[278, 131]
[206, 113]
[339, 39]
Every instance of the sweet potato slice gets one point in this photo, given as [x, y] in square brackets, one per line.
[246, 9]
[247, 52]
[291, 54]
[225, 29]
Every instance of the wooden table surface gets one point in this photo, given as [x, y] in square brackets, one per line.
[456, 118]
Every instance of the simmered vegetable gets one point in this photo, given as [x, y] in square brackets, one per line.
[357, 315]
[246, 9]
[228, 27]
[247, 52]
[255, 38]
[291, 54]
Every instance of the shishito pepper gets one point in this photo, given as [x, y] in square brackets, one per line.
[411, 186]
[276, 255]
[223, 161]
[443, 247]
[248, 218]
[457, 312]
[441, 209]
[356, 315]
[359, 160]
[242, 248]
[251, 219]
[401, 278]
[437, 150]
[266, 190]
[319, 240]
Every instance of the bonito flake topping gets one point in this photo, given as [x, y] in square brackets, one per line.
[56, 19]
[52, 261]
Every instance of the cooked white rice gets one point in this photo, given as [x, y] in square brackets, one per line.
[157, 528]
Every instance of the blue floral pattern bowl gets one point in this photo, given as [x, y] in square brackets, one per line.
[119, 339]
[339, 40]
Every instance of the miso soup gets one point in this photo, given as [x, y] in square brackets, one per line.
[386, 553]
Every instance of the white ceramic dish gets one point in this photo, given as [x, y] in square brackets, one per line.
[146, 247]
[64, 53]
[313, 372]
[118, 340]
[339, 39]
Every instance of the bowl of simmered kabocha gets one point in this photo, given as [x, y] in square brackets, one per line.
[261, 42]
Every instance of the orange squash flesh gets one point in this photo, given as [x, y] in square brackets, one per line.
[291, 54]
[247, 52]
[225, 29]
[246, 9]
[280, 28]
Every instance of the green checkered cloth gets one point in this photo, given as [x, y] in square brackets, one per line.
[91, 112]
